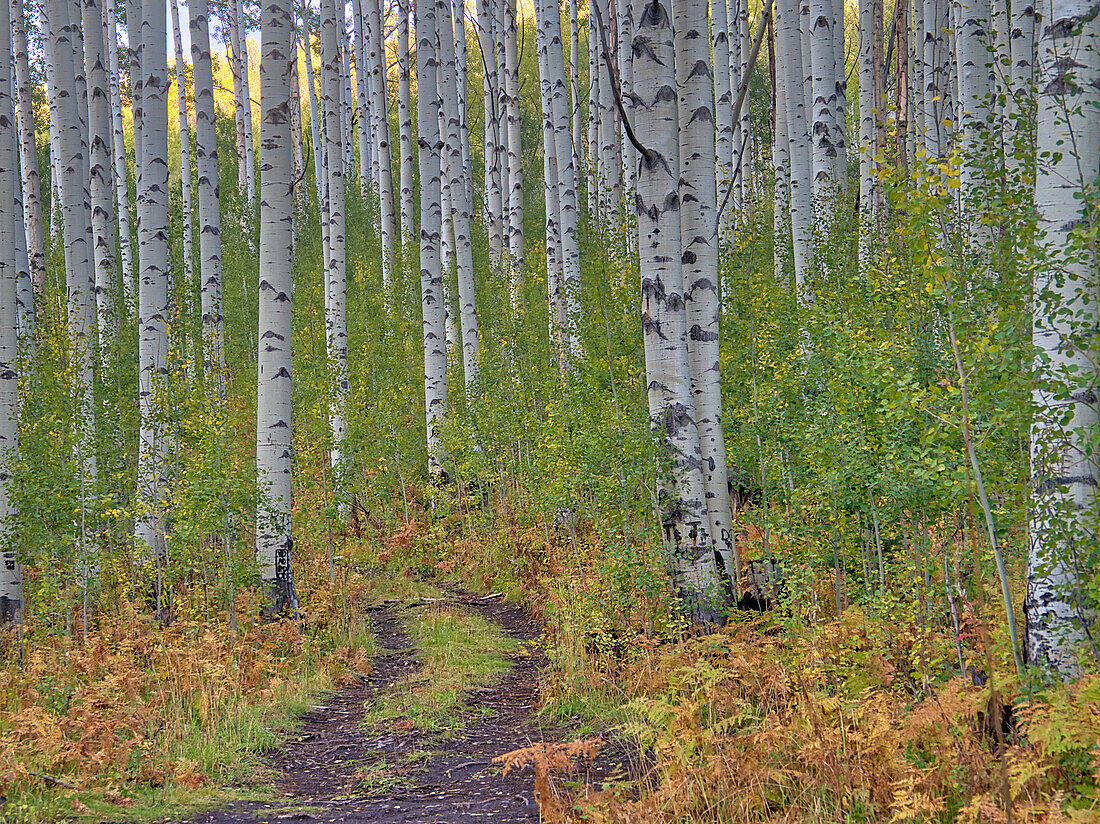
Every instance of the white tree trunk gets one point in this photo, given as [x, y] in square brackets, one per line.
[458, 11]
[824, 125]
[626, 87]
[100, 173]
[347, 110]
[1022, 56]
[1064, 470]
[685, 521]
[972, 61]
[575, 94]
[570, 285]
[454, 174]
[246, 99]
[121, 178]
[551, 178]
[404, 118]
[233, 53]
[28, 151]
[493, 208]
[867, 107]
[320, 175]
[781, 160]
[723, 109]
[790, 61]
[431, 226]
[209, 193]
[153, 308]
[594, 185]
[377, 55]
[363, 98]
[336, 323]
[274, 429]
[698, 216]
[185, 146]
[11, 572]
[514, 144]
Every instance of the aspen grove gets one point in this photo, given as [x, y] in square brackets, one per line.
[754, 338]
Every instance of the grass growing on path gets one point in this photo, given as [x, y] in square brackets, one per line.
[458, 651]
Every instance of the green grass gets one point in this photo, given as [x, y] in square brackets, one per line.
[458, 651]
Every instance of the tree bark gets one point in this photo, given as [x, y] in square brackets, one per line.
[1064, 470]
[431, 227]
[404, 117]
[185, 146]
[274, 430]
[121, 177]
[684, 517]
[28, 151]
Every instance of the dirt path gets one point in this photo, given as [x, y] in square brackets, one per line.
[453, 780]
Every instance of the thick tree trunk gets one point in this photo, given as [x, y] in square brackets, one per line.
[185, 146]
[551, 178]
[698, 213]
[685, 521]
[826, 148]
[274, 430]
[1058, 612]
[972, 61]
[431, 227]
[153, 308]
[209, 192]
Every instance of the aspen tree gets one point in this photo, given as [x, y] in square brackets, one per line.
[1064, 469]
[431, 225]
[781, 160]
[153, 291]
[685, 521]
[363, 99]
[698, 215]
[972, 60]
[493, 208]
[723, 106]
[185, 145]
[11, 572]
[790, 51]
[209, 192]
[274, 429]
[336, 323]
[381, 147]
[121, 178]
[868, 104]
[28, 151]
[100, 174]
[404, 122]
[457, 206]
[514, 150]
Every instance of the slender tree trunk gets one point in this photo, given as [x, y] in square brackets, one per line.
[454, 174]
[274, 430]
[570, 285]
[153, 291]
[336, 323]
[185, 146]
[664, 320]
[626, 86]
[100, 180]
[554, 276]
[972, 59]
[377, 53]
[320, 174]
[514, 145]
[347, 111]
[494, 214]
[404, 117]
[209, 192]
[868, 104]
[723, 109]
[246, 100]
[11, 571]
[698, 214]
[431, 227]
[301, 191]
[781, 157]
[1059, 616]
[459, 14]
[28, 151]
[594, 185]
[233, 50]
[801, 168]
[575, 94]
[122, 182]
[363, 111]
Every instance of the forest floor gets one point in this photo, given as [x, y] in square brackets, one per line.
[356, 759]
